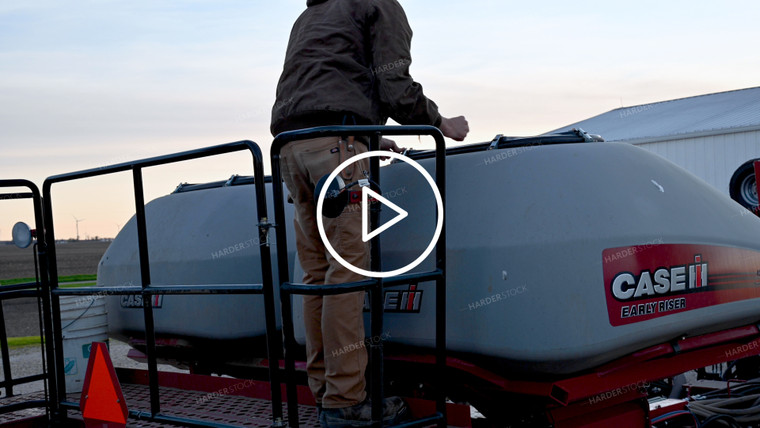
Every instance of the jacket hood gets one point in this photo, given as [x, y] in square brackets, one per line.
[310, 3]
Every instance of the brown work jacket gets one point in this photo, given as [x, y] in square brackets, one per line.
[348, 62]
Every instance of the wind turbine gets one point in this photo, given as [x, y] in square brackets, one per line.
[77, 220]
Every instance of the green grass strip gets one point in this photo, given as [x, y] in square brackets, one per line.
[79, 284]
[77, 278]
[61, 279]
[17, 342]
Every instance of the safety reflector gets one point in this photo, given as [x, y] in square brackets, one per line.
[102, 403]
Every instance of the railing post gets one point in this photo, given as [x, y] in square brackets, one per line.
[7, 376]
[376, 294]
[147, 301]
[58, 389]
[274, 345]
[440, 289]
[42, 293]
[283, 274]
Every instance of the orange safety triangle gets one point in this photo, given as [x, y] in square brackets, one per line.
[102, 402]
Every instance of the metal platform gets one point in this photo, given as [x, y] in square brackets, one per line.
[18, 416]
[218, 408]
[211, 407]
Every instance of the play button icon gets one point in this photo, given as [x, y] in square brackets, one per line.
[366, 194]
[401, 214]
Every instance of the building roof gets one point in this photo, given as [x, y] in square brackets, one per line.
[722, 112]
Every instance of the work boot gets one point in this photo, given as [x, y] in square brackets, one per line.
[360, 415]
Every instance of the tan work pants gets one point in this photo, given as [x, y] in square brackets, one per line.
[335, 354]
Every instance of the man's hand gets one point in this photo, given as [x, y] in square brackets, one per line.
[390, 145]
[455, 128]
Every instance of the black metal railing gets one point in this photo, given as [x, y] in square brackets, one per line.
[39, 289]
[148, 289]
[573, 136]
[374, 286]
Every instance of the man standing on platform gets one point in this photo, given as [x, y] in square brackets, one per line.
[347, 63]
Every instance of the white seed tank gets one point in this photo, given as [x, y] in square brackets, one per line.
[559, 258]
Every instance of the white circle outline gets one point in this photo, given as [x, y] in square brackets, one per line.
[438, 226]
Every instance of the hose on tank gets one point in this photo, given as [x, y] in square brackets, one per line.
[720, 421]
[744, 409]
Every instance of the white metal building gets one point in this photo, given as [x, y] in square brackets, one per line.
[710, 135]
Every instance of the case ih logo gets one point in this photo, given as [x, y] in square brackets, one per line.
[654, 281]
[663, 281]
[136, 301]
[406, 301]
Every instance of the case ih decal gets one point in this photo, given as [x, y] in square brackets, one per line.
[136, 301]
[649, 281]
[405, 301]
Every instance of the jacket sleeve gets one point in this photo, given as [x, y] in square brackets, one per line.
[390, 44]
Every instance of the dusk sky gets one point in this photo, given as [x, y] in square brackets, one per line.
[90, 83]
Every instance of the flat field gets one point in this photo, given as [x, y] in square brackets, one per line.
[74, 258]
